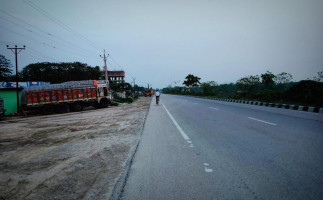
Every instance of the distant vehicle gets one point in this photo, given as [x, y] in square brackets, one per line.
[68, 96]
[148, 93]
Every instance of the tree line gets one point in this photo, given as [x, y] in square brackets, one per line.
[267, 87]
[54, 72]
[58, 73]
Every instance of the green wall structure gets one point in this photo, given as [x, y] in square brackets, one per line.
[9, 97]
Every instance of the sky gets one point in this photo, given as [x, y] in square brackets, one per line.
[160, 42]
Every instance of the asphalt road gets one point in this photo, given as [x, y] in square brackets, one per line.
[195, 148]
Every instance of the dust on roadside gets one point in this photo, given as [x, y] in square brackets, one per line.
[68, 156]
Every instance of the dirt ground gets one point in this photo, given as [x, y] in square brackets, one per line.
[68, 156]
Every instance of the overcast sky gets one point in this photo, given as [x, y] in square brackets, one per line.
[159, 41]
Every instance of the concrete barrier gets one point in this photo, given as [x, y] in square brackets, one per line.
[293, 107]
[311, 109]
[276, 105]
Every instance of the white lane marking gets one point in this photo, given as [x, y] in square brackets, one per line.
[176, 124]
[195, 103]
[262, 121]
[191, 145]
[189, 142]
[214, 108]
[208, 170]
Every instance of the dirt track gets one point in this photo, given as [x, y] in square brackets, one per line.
[68, 156]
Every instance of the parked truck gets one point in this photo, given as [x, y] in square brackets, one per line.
[68, 96]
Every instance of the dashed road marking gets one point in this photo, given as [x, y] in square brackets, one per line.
[206, 169]
[262, 121]
[214, 108]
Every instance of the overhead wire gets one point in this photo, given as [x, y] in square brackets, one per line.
[61, 24]
[62, 41]
[35, 56]
[46, 44]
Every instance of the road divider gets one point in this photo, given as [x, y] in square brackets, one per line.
[273, 105]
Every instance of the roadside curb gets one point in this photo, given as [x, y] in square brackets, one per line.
[274, 105]
[266, 104]
[121, 182]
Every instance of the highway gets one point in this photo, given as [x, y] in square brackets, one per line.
[194, 148]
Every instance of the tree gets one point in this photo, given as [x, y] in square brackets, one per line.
[249, 81]
[5, 68]
[191, 80]
[267, 78]
[209, 87]
[306, 92]
[60, 72]
[283, 78]
[247, 85]
[319, 77]
[120, 87]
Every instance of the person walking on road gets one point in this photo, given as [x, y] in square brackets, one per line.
[157, 94]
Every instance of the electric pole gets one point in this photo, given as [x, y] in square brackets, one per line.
[16, 50]
[133, 81]
[105, 65]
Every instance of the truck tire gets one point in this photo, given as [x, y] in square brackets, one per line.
[104, 103]
[48, 110]
[77, 107]
[62, 108]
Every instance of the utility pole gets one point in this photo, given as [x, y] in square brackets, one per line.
[16, 50]
[105, 65]
[134, 81]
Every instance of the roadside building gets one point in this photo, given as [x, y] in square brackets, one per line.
[114, 76]
[8, 94]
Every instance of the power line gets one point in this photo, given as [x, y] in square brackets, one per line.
[47, 34]
[35, 57]
[44, 43]
[60, 23]
[41, 54]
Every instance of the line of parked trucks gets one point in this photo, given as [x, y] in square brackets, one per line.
[68, 96]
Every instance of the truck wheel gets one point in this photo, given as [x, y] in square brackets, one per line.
[48, 110]
[104, 103]
[77, 107]
[62, 108]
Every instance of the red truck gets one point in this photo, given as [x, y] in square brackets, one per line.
[68, 96]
